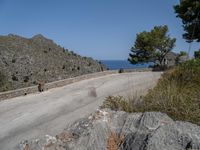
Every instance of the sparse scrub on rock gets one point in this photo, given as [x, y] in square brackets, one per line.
[39, 58]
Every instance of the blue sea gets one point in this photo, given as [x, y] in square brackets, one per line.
[124, 64]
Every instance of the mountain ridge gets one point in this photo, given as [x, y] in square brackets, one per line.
[25, 61]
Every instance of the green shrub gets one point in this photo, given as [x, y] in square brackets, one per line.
[14, 78]
[13, 60]
[4, 83]
[26, 78]
[177, 94]
[121, 70]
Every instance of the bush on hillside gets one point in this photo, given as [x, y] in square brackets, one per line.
[4, 83]
[121, 70]
[176, 94]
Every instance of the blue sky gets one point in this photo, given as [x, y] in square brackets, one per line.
[102, 29]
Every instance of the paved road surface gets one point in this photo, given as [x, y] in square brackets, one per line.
[36, 115]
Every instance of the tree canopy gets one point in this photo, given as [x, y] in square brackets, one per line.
[183, 53]
[197, 54]
[152, 46]
[189, 12]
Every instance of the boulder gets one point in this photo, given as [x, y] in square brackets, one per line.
[114, 130]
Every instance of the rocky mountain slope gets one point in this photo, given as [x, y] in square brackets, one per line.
[114, 130]
[25, 62]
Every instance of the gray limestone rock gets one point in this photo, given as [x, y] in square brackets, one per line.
[112, 130]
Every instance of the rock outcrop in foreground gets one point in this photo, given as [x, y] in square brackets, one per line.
[25, 62]
[120, 130]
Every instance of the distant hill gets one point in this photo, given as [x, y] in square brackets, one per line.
[24, 62]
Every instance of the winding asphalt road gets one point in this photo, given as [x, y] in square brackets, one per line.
[36, 115]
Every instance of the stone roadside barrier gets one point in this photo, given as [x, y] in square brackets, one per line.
[60, 83]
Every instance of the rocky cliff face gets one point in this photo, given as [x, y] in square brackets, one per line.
[27, 61]
[120, 130]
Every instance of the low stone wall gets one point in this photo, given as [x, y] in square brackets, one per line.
[60, 83]
[18, 92]
[76, 79]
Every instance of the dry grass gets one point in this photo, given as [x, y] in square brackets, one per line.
[176, 94]
[26, 147]
[65, 137]
[119, 103]
[114, 140]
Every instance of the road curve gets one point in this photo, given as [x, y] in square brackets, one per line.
[36, 115]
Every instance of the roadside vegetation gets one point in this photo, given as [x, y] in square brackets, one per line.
[177, 94]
